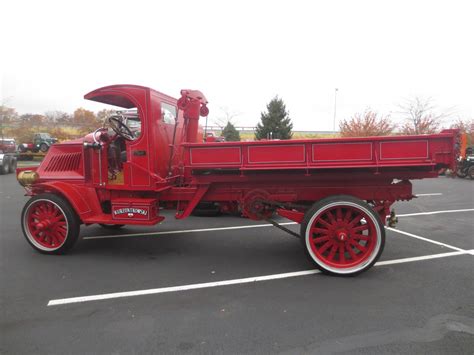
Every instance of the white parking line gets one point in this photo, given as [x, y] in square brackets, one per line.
[432, 194]
[434, 212]
[246, 226]
[424, 257]
[424, 239]
[115, 295]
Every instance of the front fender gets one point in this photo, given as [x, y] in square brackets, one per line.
[83, 199]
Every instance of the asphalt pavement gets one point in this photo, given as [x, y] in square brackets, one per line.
[229, 285]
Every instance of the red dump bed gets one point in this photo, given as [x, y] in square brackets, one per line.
[428, 151]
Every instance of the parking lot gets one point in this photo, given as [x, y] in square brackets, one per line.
[231, 285]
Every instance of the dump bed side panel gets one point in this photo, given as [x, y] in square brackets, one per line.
[436, 151]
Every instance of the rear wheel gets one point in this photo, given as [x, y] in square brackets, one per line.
[50, 224]
[12, 165]
[343, 235]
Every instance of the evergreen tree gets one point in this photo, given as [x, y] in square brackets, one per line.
[276, 123]
[230, 133]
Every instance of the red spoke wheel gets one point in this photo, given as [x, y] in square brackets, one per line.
[49, 224]
[343, 235]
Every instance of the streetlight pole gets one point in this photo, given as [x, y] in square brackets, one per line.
[335, 98]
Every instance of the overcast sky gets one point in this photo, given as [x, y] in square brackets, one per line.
[241, 54]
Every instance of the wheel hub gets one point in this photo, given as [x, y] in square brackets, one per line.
[342, 236]
[253, 205]
[43, 225]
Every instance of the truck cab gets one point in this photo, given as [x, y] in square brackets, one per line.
[140, 148]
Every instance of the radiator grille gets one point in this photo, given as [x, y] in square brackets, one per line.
[65, 162]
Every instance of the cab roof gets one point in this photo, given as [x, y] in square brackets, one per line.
[125, 95]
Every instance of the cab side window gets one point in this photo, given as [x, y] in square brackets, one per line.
[168, 113]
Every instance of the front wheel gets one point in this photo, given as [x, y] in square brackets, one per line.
[470, 172]
[50, 224]
[44, 147]
[461, 171]
[342, 235]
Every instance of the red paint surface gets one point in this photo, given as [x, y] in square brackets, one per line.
[215, 155]
[340, 152]
[271, 154]
[407, 149]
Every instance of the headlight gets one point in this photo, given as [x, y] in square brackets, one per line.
[27, 178]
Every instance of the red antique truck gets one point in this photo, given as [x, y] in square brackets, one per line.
[339, 190]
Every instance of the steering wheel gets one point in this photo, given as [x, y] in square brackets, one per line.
[121, 128]
[94, 135]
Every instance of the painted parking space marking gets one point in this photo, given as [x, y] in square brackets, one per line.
[434, 212]
[424, 239]
[115, 295]
[247, 226]
[431, 194]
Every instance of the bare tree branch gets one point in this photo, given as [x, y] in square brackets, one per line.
[227, 116]
[421, 115]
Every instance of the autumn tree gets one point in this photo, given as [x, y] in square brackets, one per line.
[230, 133]
[63, 134]
[23, 132]
[86, 121]
[57, 117]
[275, 122]
[8, 115]
[425, 125]
[32, 119]
[366, 124]
[420, 116]
[104, 114]
[466, 127]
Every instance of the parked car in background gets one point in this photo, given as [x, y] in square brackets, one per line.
[41, 143]
[211, 137]
[465, 166]
[7, 145]
[8, 156]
